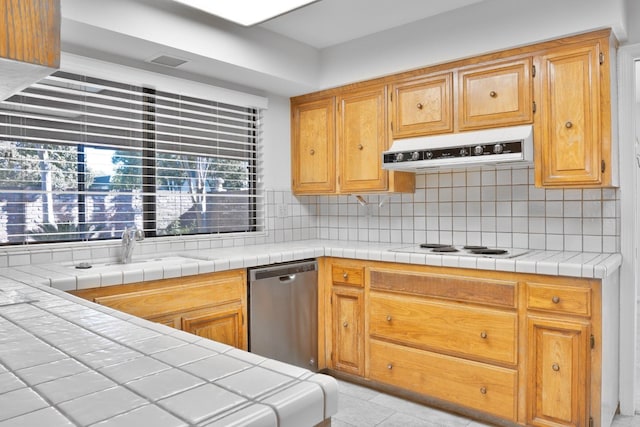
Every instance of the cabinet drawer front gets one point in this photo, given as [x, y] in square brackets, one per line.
[499, 94]
[475, 385]
[559, 299]
[151, 303]
[344, 275]
[467, 289]
[478, 332]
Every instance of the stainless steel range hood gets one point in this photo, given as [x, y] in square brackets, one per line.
[509, 145]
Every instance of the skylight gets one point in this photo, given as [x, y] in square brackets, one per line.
[246, 12]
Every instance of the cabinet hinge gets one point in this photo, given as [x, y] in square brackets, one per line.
[391, 96]
[603, 166]
[535, 107]
[533, 71]
[331, 300]
[592, 341]
[391, 126]
[601, 58]
[590, 421]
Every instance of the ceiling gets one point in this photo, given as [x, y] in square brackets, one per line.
[330, 22]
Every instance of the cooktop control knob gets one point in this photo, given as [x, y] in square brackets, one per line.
[477, 150]
[415, 155]
[497, 149]
[463, 152]
[399, 157]
[428, 155]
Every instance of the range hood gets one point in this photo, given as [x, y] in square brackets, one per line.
[509, 145]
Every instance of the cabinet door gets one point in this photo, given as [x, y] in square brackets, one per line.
[313, 147]
[422, 106]
[222, 325]
[569, 142]
[348, 330]
[496, 95]
[558, 373]
[362, 138]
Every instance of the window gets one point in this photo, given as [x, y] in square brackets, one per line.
[82, 158]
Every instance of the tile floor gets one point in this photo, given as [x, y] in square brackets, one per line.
[362, 407]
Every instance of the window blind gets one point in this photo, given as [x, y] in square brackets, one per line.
[82, 158]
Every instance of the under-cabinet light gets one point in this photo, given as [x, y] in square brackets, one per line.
[246, 12]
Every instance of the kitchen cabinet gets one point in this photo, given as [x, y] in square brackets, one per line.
[522, 348]
[422, 106]
[209, 305]
[313, 146]
[29, 42]
[573, 127]
[559, 354]
[495, 95]
[347, 314]
[337, 144]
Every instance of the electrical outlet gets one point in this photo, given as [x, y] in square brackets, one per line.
[282, 211]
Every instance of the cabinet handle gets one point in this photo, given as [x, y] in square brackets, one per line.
[312, 151]
[568, 125]
[493, 94]
[483, 335]
[419, 106]
[345, 275]
[389, 318]
[360, 146]
[389, 366]
[555, 299]
[345, 324]
[555, 367]
[483, 390]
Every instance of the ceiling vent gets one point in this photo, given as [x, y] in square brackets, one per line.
[168, 61]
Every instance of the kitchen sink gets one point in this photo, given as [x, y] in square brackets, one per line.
[148, 262]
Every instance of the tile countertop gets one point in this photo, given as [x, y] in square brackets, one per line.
[68, 362]
[66, 277]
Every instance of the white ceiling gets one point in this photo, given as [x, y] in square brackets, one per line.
[329, 22]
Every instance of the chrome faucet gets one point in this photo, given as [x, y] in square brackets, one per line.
[129, 238]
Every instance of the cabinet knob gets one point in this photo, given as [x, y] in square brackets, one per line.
[345, 275]
[360, 146]
[345, 324]
[483, 335]
[568, 125]
[483, 390]
[493, 94]
[555, 299]
[419, 106]
[555, 367]
[389, 318]
[312, 151]
[389, 366]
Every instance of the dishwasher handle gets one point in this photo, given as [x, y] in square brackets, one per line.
[287, 279]
[282, 270]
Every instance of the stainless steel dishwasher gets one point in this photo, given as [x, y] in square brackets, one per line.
[283, 313]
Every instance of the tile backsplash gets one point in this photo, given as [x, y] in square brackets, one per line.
[488, 206]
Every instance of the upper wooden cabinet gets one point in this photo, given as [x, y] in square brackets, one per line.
[495, 95]
[337, 145]
[422, 106]
[362, 138]
[573, 128]
[313, 146]
[29, 42]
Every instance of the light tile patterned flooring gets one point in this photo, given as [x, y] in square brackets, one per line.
[362, 407]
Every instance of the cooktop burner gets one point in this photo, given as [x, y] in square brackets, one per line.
[468, 250]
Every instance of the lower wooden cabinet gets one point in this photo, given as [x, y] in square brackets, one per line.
[211, 305]
[519, 348]
[558, 372]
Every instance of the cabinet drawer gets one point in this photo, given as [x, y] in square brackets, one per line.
[472, 384]
[472, 331]
[562, 299]
[154, 302]
[345, 275]
[496, 95]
